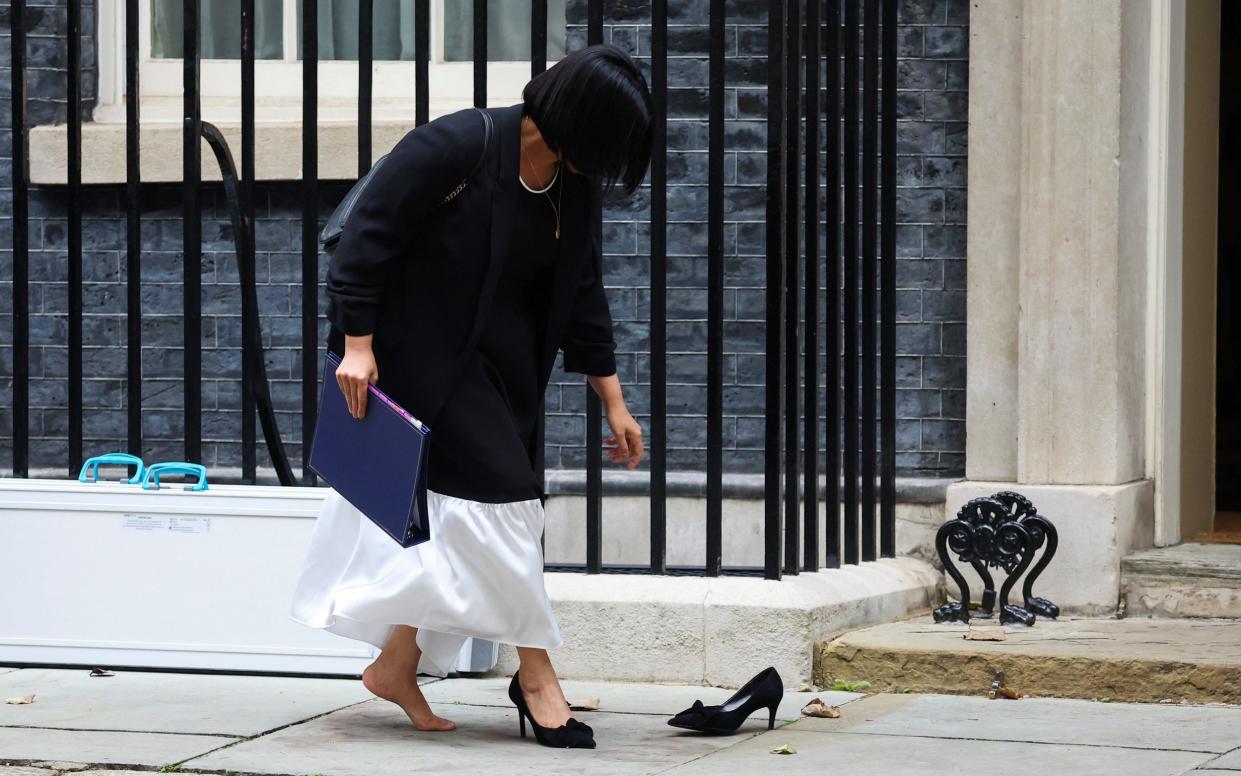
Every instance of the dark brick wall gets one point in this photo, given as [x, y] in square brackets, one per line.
[931, 142]
[931, 270]
[931, 237]
[46, 29]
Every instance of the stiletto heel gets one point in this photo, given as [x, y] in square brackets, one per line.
[762, 692]
[571, 735]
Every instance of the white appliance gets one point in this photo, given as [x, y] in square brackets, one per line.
[108, 574]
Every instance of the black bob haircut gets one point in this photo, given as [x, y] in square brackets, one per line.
[593, 107]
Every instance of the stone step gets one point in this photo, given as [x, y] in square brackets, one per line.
[712, 630]
[1195, 579]
[1135, 659]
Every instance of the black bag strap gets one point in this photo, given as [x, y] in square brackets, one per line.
[482, 159]
[340, 218]
[336, 223]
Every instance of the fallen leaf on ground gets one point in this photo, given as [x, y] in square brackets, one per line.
[993, 633]
[21, 699]
[101, 672]
[817, 708]
[585, 704]
[786, 749]
[1010, 694]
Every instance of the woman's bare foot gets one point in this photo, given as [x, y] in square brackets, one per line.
[402, 689]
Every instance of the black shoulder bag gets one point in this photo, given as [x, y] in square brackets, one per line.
[339, 219]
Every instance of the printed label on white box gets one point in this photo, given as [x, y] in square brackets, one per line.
[145, 522]
[167, 523]
[189, 524]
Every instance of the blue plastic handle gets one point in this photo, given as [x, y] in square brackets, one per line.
[151, 482]
[90, 469]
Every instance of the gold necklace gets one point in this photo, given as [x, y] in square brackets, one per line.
[559, 194]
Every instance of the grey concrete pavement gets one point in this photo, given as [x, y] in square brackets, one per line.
[299, 726]
[1045, 721]
[658, 699]
[207, 704]
[868, 755]
[102, 746]
[1228, 762]
[376, 739]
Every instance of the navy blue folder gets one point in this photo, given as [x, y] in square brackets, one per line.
[379, 463]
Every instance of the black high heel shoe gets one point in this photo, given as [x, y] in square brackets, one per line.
[763, 691]
[571, 735]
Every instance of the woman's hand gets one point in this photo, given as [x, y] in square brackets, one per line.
[356, 371]
[625, 444]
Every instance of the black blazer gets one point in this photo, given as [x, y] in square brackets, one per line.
[411, 270]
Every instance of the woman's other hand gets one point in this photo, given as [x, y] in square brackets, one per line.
[357, 370]
[625, 444]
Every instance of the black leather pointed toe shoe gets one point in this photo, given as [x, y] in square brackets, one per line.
[571, 735]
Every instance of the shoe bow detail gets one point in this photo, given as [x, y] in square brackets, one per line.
[695, 716]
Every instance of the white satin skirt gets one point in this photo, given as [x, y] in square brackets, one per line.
[480, 575]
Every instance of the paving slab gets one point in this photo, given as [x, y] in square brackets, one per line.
[1204, 729]
[869, 755]
[1227, 762]
[621, 697]
[161, 702]
[22, 770]
[1136, 659]
[376, 739]
[104, 746]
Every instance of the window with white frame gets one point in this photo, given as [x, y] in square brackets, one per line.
[278, 66]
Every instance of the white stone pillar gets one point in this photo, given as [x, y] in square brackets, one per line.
[993, 240]
[1059, 104]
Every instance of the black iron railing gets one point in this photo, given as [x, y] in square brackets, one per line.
[842, 181]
